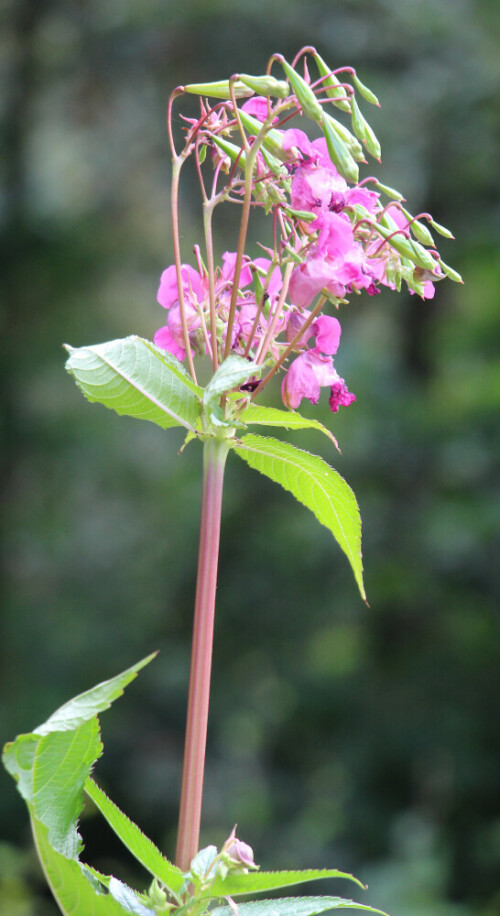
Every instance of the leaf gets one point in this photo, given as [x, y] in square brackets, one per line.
[50, 767]
[50, 772]
[233, 371]
[128, 899]
[88, 704]
[75, 893]
[315, 484]
[288, 419]
[137, 379]
[202, 862]
[293, 906]
[135, 840]
[257, 881]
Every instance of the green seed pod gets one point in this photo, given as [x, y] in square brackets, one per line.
[266, 85]
[391, 192]
[272, 141]
[339, 153]
[272, 163]
[219, 90]
[230, 149]
[332, 85]
[405, 247]
[353, 145]
[452, 274]
[305, 96]
[358, 121]
[371, 142]
[422, 257]
[420, 230]
[364, 91]
[442, 230]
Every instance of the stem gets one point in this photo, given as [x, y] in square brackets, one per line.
[214, 457]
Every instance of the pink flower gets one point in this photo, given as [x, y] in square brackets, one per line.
[164, 339]
[310, 277]
[257, 106]
[340, 396]
[327, 332]
[310, 372]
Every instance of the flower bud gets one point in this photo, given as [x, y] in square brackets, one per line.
[339, 153]
[219, 90]
[332, 86]
[266, 85]
[237, 854]
[305, 96]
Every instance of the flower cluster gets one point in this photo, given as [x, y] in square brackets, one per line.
[332, 234]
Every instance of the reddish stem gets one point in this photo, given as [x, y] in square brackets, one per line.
[214, 457]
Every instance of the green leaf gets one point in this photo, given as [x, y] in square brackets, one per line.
[202, 863]
[315, 484]
[233, 371]
[257, 881]
[88, 704]
[75, 893]
[50, 772]
[50, 767]
[288, 419]
[293, 906]
[135, 840]
[128, 899]
[137, 379]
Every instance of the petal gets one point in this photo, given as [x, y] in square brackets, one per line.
[164, 339]
[327, 331]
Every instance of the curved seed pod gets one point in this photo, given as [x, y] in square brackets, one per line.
[219, 90]
[305, 96]
[364, 91]
[339, 154]
[266, 85]
[332, 86]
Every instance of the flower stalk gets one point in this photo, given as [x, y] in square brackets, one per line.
[214, 458]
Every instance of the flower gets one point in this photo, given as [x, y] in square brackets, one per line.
[310, 372]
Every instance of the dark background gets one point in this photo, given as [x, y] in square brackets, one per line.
[366, 739]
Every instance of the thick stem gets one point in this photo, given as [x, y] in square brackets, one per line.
[214, 457]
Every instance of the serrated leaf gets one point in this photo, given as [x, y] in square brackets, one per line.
[315, 484]
[233, 371]
[288, 419]
[135, 840]
[256, 882]
[51, 767]
[83, 707]
[128, 899]
[293, 906]
[137, 379]
[51, 776]
[76, 894]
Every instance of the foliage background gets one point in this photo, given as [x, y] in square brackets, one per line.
[363, 739]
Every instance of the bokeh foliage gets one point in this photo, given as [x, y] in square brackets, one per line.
[363, 739]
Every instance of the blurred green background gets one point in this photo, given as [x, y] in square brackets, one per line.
[366, 739]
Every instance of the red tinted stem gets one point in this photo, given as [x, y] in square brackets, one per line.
[214, 458]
